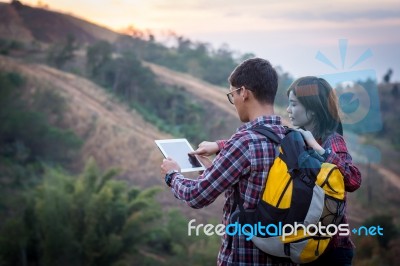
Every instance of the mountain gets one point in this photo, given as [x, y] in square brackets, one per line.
[117, 136]
[114, 135]
[26, 24]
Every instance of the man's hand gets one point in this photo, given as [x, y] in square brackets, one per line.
[204, 160]
[169, 164]
[206, 148]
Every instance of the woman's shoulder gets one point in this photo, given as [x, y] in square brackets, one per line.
[336, 142]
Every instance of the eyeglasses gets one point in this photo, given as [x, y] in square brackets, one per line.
[230, 95]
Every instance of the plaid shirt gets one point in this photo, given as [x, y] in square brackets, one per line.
[352, 178]
[245, 158]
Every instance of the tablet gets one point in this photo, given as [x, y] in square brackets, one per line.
[178, 149]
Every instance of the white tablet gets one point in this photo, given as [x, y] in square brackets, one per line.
[178, 149]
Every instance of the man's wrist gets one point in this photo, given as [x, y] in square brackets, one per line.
[169, 175]
[220, 144]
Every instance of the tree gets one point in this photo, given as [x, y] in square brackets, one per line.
[17, 4]
[91, 219]
[61, 53]
[389, 229]
[388, 76]
[25, 134]
[395, 91]
[97, 57]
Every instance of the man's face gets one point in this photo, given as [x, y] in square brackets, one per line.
[236, 98]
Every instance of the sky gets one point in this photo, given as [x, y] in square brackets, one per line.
[289, 33]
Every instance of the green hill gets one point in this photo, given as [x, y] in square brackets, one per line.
[121, 92]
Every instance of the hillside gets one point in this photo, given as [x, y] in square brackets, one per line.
[26, 24]
[203, 90]
[117, 136]
[114, 136]
[119, 120]
[96, 117]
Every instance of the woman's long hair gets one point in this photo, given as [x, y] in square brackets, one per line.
[318, 97]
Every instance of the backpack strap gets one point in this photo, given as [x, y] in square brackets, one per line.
[269, 133]
[238, 201]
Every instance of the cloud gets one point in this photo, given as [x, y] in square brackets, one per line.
[344, 15]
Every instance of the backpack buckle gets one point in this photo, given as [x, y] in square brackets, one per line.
[307, 180]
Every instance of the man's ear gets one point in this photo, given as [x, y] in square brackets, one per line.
[245, 94]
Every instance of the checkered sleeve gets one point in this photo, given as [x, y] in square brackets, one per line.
[342, 159]
[220, 143]
[228, 166]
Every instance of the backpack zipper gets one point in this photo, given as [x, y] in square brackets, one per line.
[284, 191]
[309, 237]
[317, 251]
[326, 180]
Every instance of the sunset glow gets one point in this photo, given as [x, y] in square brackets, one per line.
[286, 32]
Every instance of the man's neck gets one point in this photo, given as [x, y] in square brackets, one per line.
[261, 110]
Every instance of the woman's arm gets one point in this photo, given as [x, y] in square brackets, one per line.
[339, 157]
[342, 159]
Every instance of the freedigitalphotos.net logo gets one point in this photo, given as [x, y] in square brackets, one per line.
[368, 231]
[358, 100]
[279, 229]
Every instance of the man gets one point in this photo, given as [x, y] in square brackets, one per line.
[243, 160]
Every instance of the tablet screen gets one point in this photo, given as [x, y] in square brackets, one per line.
[178, 150]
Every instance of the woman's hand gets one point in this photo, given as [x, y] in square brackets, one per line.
[311, 141]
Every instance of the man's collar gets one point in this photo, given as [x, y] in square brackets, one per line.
[262, 120]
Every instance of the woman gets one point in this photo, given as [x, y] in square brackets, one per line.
[313, 109]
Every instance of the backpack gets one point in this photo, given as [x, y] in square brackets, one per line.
[300, 189]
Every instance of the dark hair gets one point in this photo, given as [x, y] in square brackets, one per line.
[317, 96]
[258, 76]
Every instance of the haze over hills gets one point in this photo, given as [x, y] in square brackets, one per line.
[117, 136]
